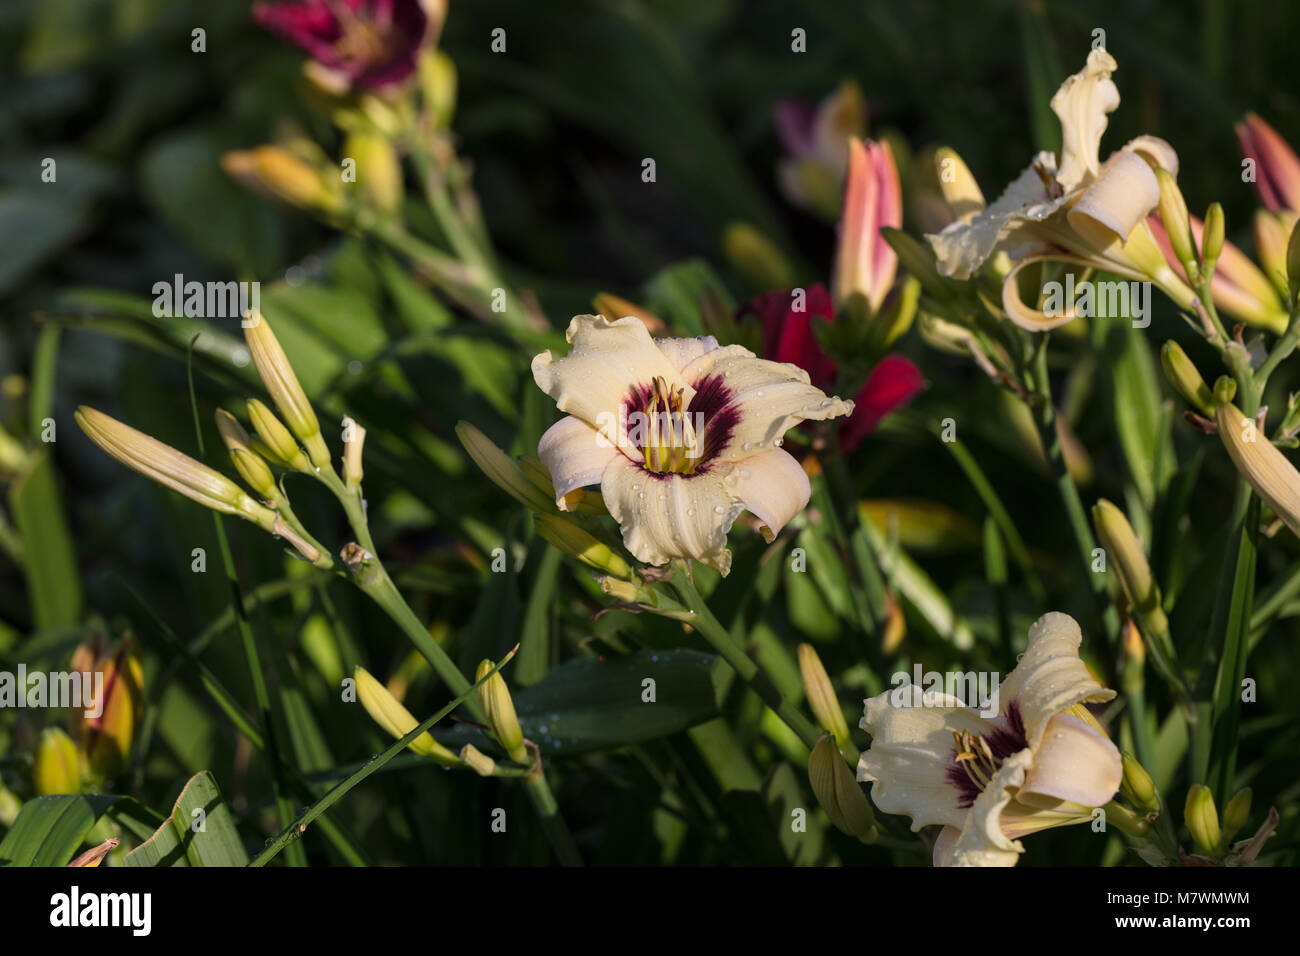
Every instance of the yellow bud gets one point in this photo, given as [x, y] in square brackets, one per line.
[501, 469]
[171, 468]
[756, 257]
[1293, 261]
[613, 307]
[895, 625]
[580, 544]
[276, 172]
[388, 713]
[1177, 223]
[437, 77]
[1138, 787]
[1202, 817]
[1260, 462]
[1212, 237]
[57, 767]
[378, 170]
[821, 695]
[1236, 814]
[276, 437]
[620, 590]
[1125, 553]
[1131, 640]
[1184, 377]
[1272, 230]
[838, 793]
[282, 384]
[477, 760]
[495, 698]
[960, 190]
[247, 462]
[352, 471]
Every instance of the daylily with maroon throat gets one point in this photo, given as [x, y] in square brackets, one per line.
[1073, 208]
[372, 45]
[682, 435]
[1043, 761]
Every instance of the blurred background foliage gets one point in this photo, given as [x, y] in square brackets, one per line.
[556, 129]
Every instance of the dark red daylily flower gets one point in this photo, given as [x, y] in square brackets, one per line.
[788, 337]
[368, 44]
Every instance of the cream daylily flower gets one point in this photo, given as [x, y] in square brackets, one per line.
[1077, 210]
[1042, 762]
[681, 435]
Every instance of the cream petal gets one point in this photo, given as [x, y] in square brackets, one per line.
[1050, 677]
[1120, 198]
[982, 841]
[575, 454]
[1075, 762]
[1155, 151]
[1081, 104]
[911, 750]
[670, 516]
[765, 399]
[962, 247]
[608, 360]
[772, 485]
[944, 844]
[1020, 820]
[1034, 320]
[682, 352]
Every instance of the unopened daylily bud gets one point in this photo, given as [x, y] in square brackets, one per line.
[1260, 462]
[1272, 232]
[247, 462]
[501, 469]
[437, 76]
[620, 590]
[896, 317]
[895, 625]
[57, 768]
[1186, 380]
[1225, 390]
[106, 737]
[277, 172]
[614, 307]
[1277, 172]
[95, 855]
[1135, 648]
[865, 264]
[495, 698]
[1212, 237]
[580, 544]
[12, 454]
[276, 437]
[1202, 817]
[1236, 814]
[1138, 787]
[278, 376]
[477, 760]
[756, 257]
[960, 190]
[838, 792]
[1177, 223]
[378, 170]
[388, 712]
[169, 467]
[821, 695]
[352, 446]
[1125, 553]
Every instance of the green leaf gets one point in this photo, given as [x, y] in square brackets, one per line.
[674, 294]
[53, 585]
[187, 838]
[49, 830]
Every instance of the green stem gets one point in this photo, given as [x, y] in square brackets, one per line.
[712, 631]
[548, 812]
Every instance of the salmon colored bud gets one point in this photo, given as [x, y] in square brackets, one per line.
[865, 264]
[1276, 165]
[106, 733]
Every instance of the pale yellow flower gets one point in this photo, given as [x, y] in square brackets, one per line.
[1043, 760]
[681, 435]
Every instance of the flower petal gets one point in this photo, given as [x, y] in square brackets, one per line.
[982, 841]
[1076, 762]
[1050, 677]
[670, 516]
[1156, 151]
[1111, 207]
[1081, 104]
[682, 352]
[760, 400]
[607, 362]
[575, 454]
[772, 485]
[911, 750]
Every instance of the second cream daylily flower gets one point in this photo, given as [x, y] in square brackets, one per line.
[681, 435]
[1042, 762]
[1074, 209]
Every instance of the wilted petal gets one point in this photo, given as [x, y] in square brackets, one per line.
[575, 454]
[772, 485]
[1075, 762]
[670, 516]
[762, 400]
[608, 361]
[1081, 104]
[1050, 677]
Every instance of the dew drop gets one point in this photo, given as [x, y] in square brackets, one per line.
[718, 509]
[691, 512]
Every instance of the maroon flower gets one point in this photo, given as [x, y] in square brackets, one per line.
[788, 337]
[368, 44]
